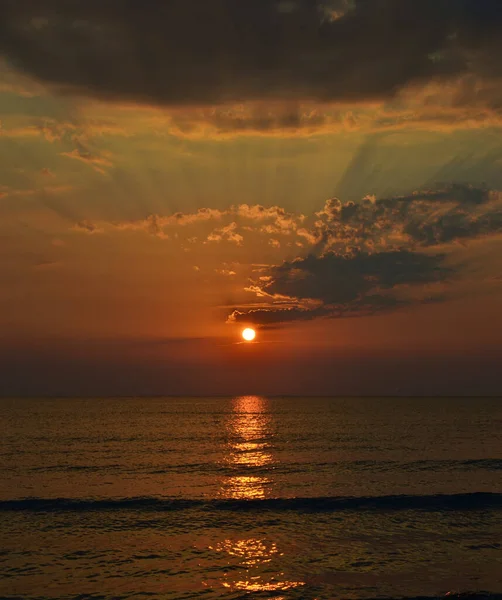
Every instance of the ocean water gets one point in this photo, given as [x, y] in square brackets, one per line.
[250, 497]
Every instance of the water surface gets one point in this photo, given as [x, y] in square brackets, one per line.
[250, 497]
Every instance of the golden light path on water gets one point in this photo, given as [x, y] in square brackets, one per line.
[249, 431]
[250, 434]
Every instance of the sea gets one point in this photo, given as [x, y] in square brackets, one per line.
[251, 497]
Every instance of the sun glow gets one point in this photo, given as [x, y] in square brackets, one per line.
[249, 334]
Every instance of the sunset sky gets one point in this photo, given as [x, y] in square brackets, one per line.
[328, 172]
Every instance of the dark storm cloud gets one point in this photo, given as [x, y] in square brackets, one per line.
[209, 51]
[377, 255]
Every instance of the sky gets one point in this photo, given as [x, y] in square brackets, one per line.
[328, 172]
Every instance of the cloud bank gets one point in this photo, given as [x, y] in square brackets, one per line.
[357, 258]
[199, 52]
[375, 256]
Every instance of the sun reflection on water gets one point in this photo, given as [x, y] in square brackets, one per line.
[254, 554]
[249, 431]
[250, 435]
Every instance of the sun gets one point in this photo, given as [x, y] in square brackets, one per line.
[249, 334]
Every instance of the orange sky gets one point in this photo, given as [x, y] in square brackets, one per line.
[353, 218]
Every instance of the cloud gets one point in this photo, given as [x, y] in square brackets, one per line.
[227, 233]
[434, 106]
[203, 214]
[156, 224]
[43, 190]
[341, 279]
[277, 220]
[217, 51]
[375, 255]
[346, 286]
[50, 129]
[255, 218]
[362, 258]
[153, 225]
[87, 227]
[225, 272]
[271, 118]
[270, 68]
[426, 218]
[47, 265]
[263, 316]
[96, 162]
[19, 132]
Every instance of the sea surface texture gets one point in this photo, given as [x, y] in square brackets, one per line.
[250, 497]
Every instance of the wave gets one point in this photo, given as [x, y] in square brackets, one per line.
[438, 502]
[488, 464]
[481, 595]
[449, 596]
[374, 466]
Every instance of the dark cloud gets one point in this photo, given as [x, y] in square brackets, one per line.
[364, 305]
[426, 218]
[339, 280]
[212, 51]
[377, 255]
[352, 285]
[269, 316]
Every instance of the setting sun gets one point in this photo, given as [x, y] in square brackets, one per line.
[249, 334]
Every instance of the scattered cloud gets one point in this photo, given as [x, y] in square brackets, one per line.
[254, 218]
[375, 255]
[153, 225]
[87, 227]
[426, 218]
[361, 258]
[19, 132]
[227, 233]
[203, 214]
[47, 265]
[57, 189]
[25, 192]
[225, 272]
